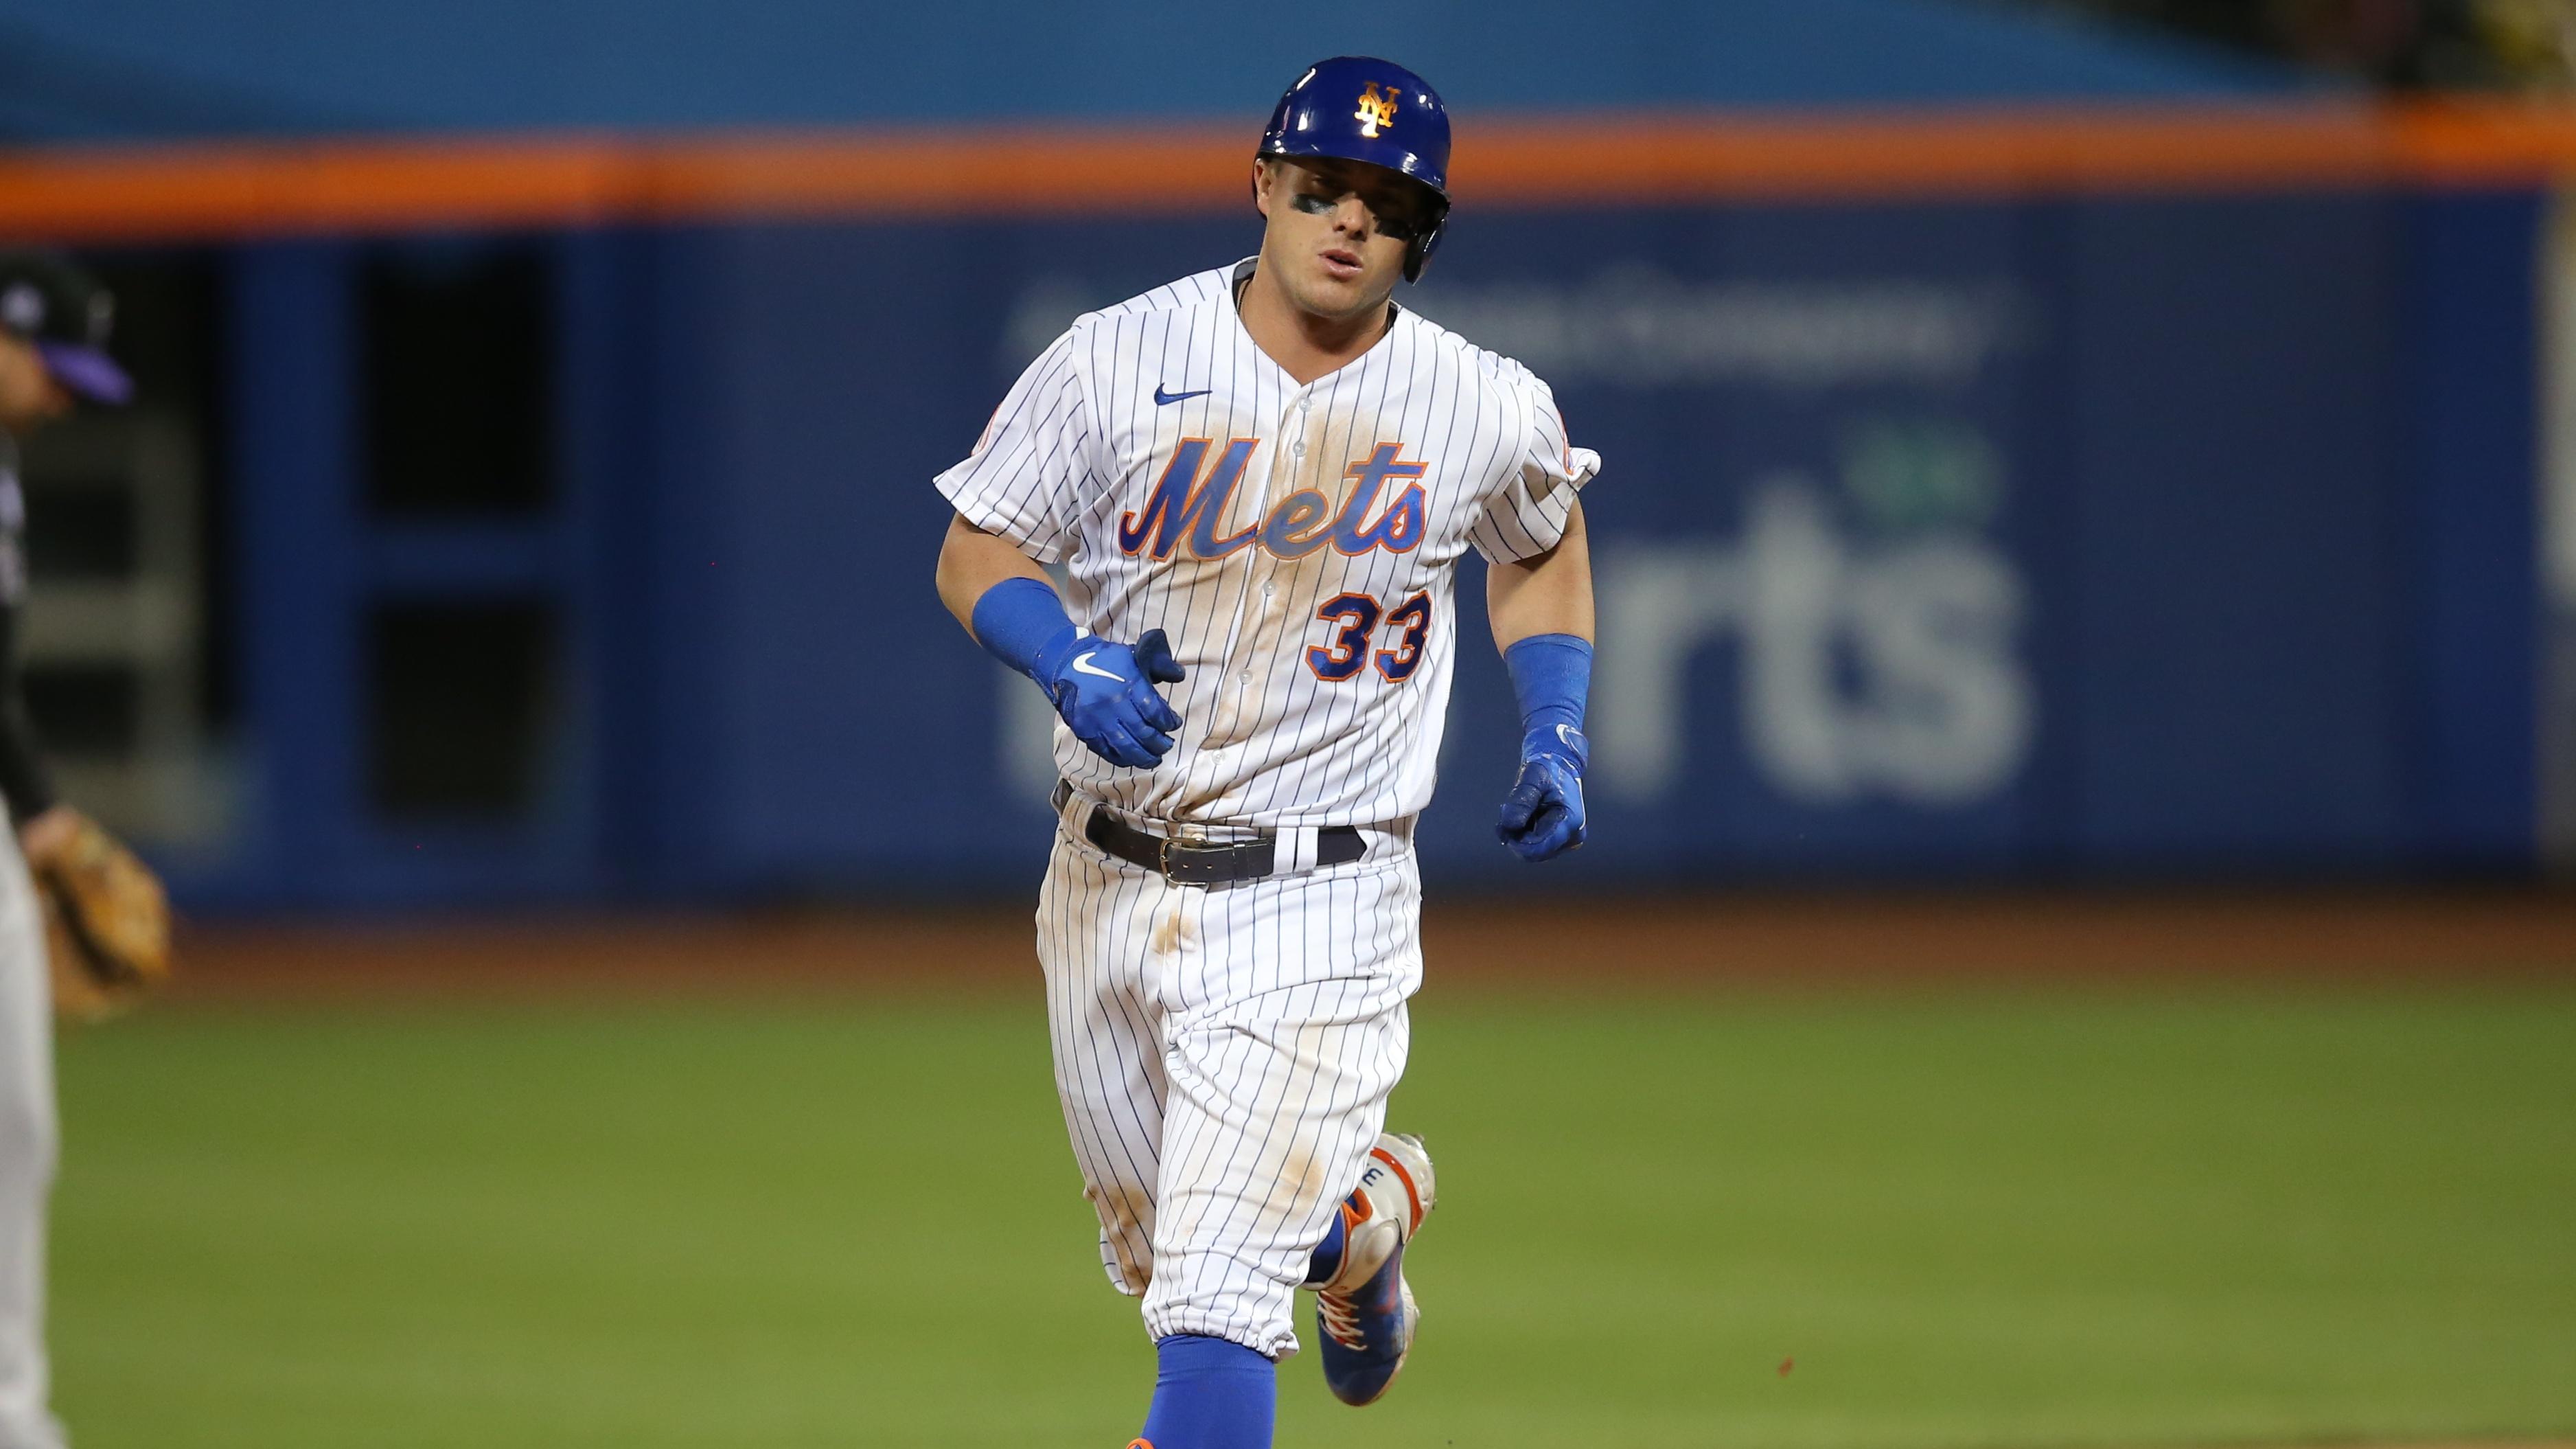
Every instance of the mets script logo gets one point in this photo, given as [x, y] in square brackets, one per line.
[1377, 108]
[1188, 509]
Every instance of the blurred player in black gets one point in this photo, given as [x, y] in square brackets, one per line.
[54, 323]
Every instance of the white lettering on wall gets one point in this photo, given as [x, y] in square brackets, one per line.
[1886, 668]
[1636, 325]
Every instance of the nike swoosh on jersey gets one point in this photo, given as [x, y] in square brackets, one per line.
[1166, 399]
[1082, 665]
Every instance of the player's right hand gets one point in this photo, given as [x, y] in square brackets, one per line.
[1106, 694]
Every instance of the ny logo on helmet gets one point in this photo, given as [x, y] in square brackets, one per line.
[1376, 109]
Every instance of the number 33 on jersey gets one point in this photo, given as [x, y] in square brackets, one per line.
[1296, 542]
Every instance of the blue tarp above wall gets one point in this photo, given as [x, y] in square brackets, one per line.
[145, 68]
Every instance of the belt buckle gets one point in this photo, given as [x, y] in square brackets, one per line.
[1208, 870]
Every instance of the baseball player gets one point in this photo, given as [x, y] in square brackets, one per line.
[1258, 481]
[103, 906]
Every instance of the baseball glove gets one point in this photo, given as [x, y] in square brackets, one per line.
[107, 923]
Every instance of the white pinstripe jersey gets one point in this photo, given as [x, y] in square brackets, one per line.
[1297, 543]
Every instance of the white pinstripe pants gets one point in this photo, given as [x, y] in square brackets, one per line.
[29, 1139]
[1224, 1057]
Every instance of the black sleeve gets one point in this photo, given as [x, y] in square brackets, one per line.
[30, 791]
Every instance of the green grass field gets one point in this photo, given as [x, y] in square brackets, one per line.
[1971, 1218]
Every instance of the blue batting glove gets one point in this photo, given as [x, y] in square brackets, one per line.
[1105, 692]
[1542, 817]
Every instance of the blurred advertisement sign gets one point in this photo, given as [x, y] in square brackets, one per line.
[1634, 324]
[1638, 325]
[1868, 666]
[2052, 537]
[1931, 538]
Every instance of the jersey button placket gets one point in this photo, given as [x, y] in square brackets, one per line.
[1292, 431]
[1227, 729]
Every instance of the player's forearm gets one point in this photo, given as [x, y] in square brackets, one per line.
[1005, 601]
[971, 562]
[1542, 615]
[1103, 689]
[1549, 594]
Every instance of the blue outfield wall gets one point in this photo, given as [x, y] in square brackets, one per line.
[2073, 538]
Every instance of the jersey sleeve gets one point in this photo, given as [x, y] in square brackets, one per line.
[24, 781]
[1527, 515]
[1025, 477]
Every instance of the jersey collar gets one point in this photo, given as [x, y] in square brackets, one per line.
[1238, 276]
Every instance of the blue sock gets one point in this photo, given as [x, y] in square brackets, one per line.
[1328, 1254]
[1211, 1394]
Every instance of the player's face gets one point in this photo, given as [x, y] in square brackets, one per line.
[1338, 232]
[29, 396]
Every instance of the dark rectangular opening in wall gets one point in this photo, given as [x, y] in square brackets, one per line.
[460, 708]
[174, 335]
[84, 711]
[457, 338]
[141, 493]
[86, 533]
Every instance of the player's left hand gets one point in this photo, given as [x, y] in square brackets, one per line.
[107, 923]
[1542, 817]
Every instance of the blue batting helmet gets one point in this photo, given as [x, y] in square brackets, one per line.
[1360, 108]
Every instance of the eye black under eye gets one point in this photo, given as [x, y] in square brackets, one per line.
[1398, 227]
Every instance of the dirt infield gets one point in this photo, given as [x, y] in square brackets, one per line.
[1658, 943]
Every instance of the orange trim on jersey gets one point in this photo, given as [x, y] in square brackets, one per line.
[95, 193]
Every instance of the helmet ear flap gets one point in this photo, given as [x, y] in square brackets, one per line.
[1417, 252]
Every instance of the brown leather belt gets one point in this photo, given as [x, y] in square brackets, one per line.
[1206, 863]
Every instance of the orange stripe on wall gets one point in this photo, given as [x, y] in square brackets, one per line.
[1074, 170]
[78, 194]
[2488, 144]
[233, 190]
[1992, 154]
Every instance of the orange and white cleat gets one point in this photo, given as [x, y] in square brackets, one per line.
[1366, 1310]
